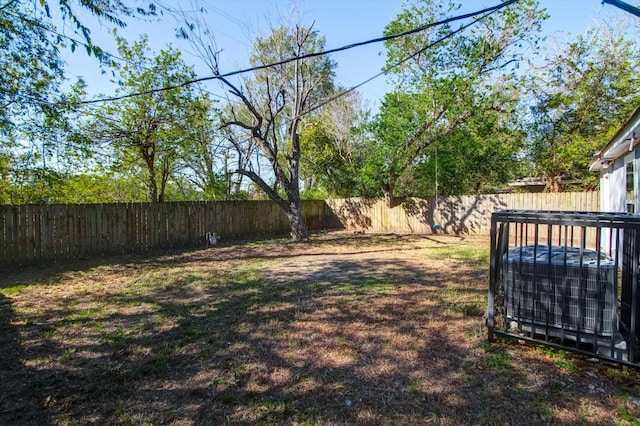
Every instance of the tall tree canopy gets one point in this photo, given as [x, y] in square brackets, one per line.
[150, 133]
[335, 148]
[31, 70]
[445, 79]
[206, 153]
[35, 113]
[274, 106]
[476, 158]
[578, 100]
[457, 96]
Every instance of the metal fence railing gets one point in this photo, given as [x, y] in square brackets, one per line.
[567, 279]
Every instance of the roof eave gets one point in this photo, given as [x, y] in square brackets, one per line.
[622, 142]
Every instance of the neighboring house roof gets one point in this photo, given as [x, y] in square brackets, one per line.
[627, 138]
[536, 184]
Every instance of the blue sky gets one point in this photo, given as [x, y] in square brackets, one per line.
[341, 21]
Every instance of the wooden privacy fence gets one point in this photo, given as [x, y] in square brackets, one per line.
[458, 214]
[43, 233]
[46, 233]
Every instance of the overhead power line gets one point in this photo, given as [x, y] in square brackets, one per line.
[309, 55]
[396, 64]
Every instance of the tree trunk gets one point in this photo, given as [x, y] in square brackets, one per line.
[552, 184]
[153, 188]
[148, 153]
[164, 179]
[291, 206]
[387, 189]
[296, 221]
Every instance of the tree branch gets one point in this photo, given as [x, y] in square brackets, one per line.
[273, 195]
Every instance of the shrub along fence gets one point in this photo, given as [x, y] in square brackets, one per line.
[32, 234]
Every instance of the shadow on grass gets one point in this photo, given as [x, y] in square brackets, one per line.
[43, 274]
[18, 405]
[344, 341]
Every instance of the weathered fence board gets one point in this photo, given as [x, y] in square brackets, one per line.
[47, 233]
[13, 244]
[459, 214]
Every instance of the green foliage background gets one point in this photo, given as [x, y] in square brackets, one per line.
[463, 109]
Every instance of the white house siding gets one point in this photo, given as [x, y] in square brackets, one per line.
[613, 193]
[623, 148]
[606, 189]
[634, 157]
[613, 188]
[613, 184]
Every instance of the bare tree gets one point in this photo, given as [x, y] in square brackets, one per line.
[273, 106]
[267, 109]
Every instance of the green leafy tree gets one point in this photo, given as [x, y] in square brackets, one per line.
[207, 151]
[274, 105]
[103, 187]
[148, 133]
[31, 71]
[335, 149]
[445, 79]
[579, 99]
[477, 158]
[40, 152]
[30, 77]
[35, 114]
[5, 179]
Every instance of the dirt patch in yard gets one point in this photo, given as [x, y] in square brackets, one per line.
[347, 329]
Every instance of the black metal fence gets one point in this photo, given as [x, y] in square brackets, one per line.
[568, 280]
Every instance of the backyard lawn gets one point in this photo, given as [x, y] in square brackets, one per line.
[347, 329]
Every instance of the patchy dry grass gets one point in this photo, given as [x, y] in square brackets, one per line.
[348, 329]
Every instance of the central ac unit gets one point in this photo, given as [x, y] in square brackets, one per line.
[565, 291]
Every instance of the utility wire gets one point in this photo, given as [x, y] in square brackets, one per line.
[397, 63]
[77, 42]
[308, 55]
